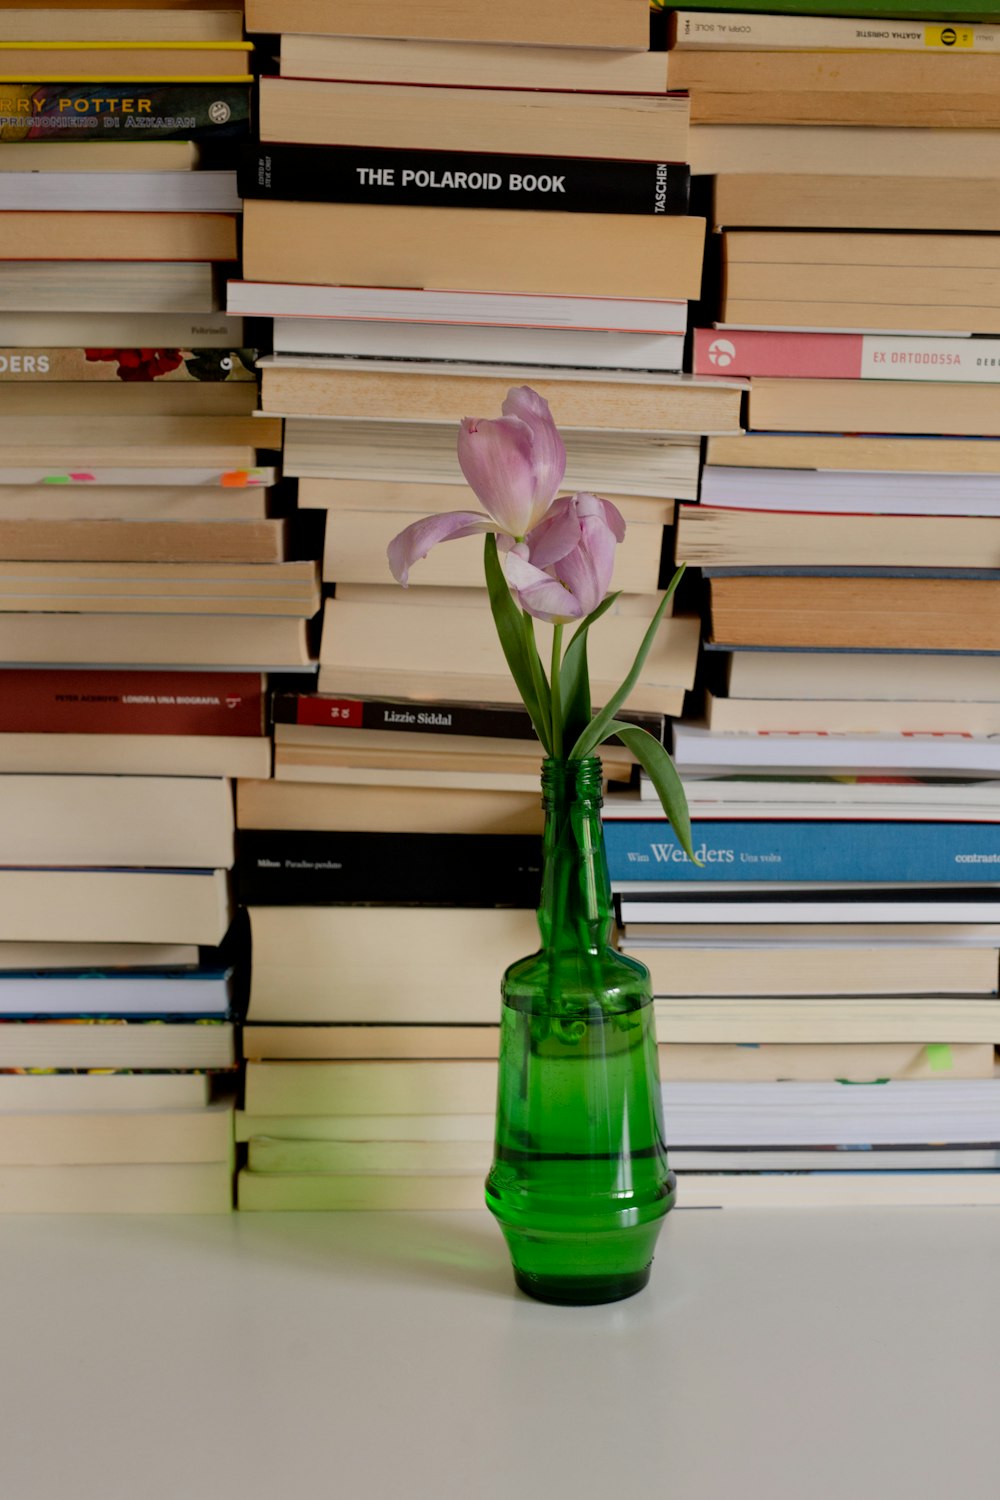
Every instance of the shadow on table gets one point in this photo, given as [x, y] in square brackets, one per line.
[452, 1249]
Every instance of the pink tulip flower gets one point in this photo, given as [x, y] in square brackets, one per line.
[515, 464]
[562, 570]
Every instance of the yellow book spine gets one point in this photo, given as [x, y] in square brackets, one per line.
[135, 78]
[129, 46]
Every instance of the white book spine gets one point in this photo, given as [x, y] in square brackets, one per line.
[110, 192]
[698, 32]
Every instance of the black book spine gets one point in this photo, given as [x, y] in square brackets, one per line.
[453, 179]
[275, 867]
[471, 719]
[154, 111]
[413, 718]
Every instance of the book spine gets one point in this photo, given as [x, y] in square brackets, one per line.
[805, 851]
[124, 112]
[131, 365]
[847, 570]
[85, 702]
[845, 356]
[275, 867]
[413, 718]
[448, 179]
[934, 10]
[694, 31]
[227, 479]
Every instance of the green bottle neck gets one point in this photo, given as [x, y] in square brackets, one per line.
[575, 909]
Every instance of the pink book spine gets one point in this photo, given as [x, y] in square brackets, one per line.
[810, 356]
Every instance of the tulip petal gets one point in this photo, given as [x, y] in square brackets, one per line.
[558, 534]
[496, 457]
[585, 504]
[586, 571]
[417, 540]
[548, 448]
[537, 592]
[613, 517]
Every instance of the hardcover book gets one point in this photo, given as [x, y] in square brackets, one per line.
[124, 111]
[441, 718]
[455, 179]
[290, 868]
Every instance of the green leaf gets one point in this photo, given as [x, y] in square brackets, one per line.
[510, 630]
[663, 774]
[596, 732]
[575, 676]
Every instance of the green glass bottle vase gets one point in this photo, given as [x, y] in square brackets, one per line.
[580, 1182]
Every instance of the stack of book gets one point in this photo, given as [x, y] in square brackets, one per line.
[114, 1000]
[134, 523]
[803, 68]
[844, 921]
[406, 221]
[405, 227]
[391, 871]
[136, 551]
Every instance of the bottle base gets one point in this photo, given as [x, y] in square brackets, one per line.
[582, 1291]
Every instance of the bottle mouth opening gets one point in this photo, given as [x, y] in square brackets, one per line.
[580, 777]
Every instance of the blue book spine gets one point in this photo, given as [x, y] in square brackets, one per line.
[751, 850]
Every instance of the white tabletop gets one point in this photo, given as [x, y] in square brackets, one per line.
[807, 1355]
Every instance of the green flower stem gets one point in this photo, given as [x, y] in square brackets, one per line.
[534, 661]
[556, 678]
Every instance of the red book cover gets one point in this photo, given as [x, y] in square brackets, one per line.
[84, 702]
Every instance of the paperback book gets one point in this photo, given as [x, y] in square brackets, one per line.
[128, 365]
[844, 356]
[146, 703]
[759, 850]
[693, 30]
[933, 10]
